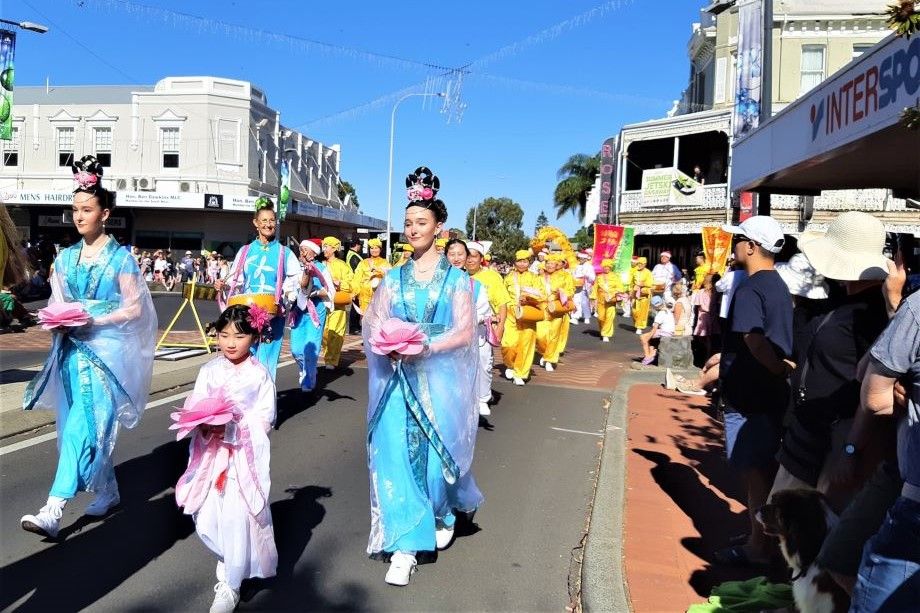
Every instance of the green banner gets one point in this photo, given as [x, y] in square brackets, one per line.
[625, 252]
[7, 52]
[284, 189]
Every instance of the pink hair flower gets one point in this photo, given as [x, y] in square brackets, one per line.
[86, 179]
[427, 193]
[258, 317]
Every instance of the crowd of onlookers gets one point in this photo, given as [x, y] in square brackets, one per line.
[814, 366]
[161, 267]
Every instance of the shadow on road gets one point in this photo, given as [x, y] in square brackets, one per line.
[16, 375]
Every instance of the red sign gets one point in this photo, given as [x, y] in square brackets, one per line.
[746, 208]
[607, 239]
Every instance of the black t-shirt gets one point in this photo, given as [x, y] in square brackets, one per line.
[761, 304]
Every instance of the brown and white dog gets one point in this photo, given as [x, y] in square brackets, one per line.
[801, 519]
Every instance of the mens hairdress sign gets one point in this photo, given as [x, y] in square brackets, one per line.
[7, 53]
[746, 115]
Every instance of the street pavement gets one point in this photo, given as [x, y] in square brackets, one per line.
[535, 462]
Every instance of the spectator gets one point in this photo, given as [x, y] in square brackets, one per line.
[753, 372]
[662, 326]
[707, 303]
[213, 268]
[223, 267]
[665, 274]
[187, 267]
[159, 267]
[700, 271]
[683, 310]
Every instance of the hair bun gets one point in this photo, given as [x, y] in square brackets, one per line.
[88, 164]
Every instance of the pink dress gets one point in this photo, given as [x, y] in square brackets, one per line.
[226, 485]
[707, 323]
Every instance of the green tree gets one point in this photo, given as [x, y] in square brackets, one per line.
[584, 237]
[457, 233]
[499, 220]
[347, 189]
[542, 222]
[576, 178]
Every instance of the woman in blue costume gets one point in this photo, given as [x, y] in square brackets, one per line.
[265, 267]
[422, 413]
[308, 314]
[97, 376]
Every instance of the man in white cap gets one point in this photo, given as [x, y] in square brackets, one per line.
[584, 278]
[665, 274]
[186, 266]
[500, 301]
[754, 371]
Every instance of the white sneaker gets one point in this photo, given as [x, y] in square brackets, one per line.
[46, 523]
[443, 537]
[509, 374]
[104, 502]
[587, 320]
[670, 381]
[225, 598]
[640, 330]
[542, 362]
[484, 409]
[550, 367]
[402, 565]
[605, 339]
[518, 381]
[574, 321]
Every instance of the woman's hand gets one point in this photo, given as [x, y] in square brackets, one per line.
[219, 285]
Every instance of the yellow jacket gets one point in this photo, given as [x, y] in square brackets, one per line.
[525, 284]
[642, 282]
[495, 289]
[606, 287]
[367, 270]
[342, 275]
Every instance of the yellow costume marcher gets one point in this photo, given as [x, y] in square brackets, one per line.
[337, 319]
[495, 289]
[604, 292]
[641, 290]
[520, 336]
[368, 274]
[570, 292]
[552, 332]
[405, 252]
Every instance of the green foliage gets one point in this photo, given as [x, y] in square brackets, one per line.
[499, 220]
[584, 238]
[346, 188]
[903, 18]
[542, 222]
[576, 180]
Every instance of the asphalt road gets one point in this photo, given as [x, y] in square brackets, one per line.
[534, 462]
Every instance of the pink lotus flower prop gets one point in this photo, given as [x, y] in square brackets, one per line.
[63, 315]
[396, 335]
[196, 412]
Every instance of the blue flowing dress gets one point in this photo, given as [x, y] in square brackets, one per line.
[423, 412]
[307, 335]
[97, 377]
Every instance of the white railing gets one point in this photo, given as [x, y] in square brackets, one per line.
[714, 197]
[868, 200]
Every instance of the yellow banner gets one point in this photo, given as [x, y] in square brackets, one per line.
[717, 244]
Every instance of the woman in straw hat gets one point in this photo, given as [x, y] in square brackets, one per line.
[368, 274]
[337, 319]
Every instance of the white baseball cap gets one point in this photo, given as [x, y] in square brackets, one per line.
[763, 230]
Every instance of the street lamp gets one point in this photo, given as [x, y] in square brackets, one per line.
[390, 183]
[26, 25]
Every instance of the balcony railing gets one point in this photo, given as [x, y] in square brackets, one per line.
[714, 197]
[868, 200]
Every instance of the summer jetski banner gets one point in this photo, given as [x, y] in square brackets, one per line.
[7, 53]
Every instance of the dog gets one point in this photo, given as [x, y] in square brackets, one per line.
[801, 519]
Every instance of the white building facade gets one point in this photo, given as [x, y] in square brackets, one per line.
[187, 158]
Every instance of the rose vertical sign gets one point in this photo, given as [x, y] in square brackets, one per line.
[7, 53]
[607, 178]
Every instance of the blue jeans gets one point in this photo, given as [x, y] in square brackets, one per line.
[889, 575]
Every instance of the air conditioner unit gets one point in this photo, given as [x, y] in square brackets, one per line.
[185, 186]
[121, 184]
[146, 183]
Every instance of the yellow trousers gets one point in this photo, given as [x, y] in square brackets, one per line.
[564, 333]
[551, 345]
[518, 344]
[334, 335]
[606, 318]
[640, 311]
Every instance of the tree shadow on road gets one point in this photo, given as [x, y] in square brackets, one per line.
[87, 564]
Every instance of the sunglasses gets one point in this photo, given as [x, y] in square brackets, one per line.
[741, 238]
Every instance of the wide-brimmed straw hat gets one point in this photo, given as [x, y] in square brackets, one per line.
[850, 250]
[801, 278]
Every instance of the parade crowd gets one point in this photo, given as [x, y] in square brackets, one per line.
[814, 365]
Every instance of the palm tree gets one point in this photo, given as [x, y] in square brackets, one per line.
[576, 180]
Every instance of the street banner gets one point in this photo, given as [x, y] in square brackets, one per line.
[607, 240]
[670, 187]
[7, 52]
[625, 252]
[746, 116]
[284, 189]
[717, 244]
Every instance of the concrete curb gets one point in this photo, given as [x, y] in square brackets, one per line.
[603, 576]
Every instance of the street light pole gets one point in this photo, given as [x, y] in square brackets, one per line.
[390, 180]
[26, 25]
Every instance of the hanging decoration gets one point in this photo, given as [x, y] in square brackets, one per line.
[7, 53]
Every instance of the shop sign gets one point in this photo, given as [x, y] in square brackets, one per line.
[20, 196]
[157, 200]
[65, 220]
[669, 187]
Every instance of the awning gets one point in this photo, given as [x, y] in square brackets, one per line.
[845, 134]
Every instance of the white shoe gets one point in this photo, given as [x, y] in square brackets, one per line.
[329, 367]
[104, 502]
[46, 523]
[605, 339]
[509, 374]
[670, 381]
[402, 565]
[518, 381]
[443, 537]
[640, 330]
[225, 598]
[574, 321]
[542, 362]
[587, 320]
[484, 409]
[550, 367]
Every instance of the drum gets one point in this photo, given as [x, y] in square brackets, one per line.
[341, 299]
[530, 314]
[266, 301]
[557, 309]
[202, 292]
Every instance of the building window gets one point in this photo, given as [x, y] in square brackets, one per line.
[11, 149]
[65, 146]
[102, 146]
[169, 145]
[860, 48]
[812, 67]
[228, 141]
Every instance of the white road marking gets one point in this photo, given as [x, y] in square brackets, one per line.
[578, 431]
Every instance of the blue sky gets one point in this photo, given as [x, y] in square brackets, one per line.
[547, 78]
